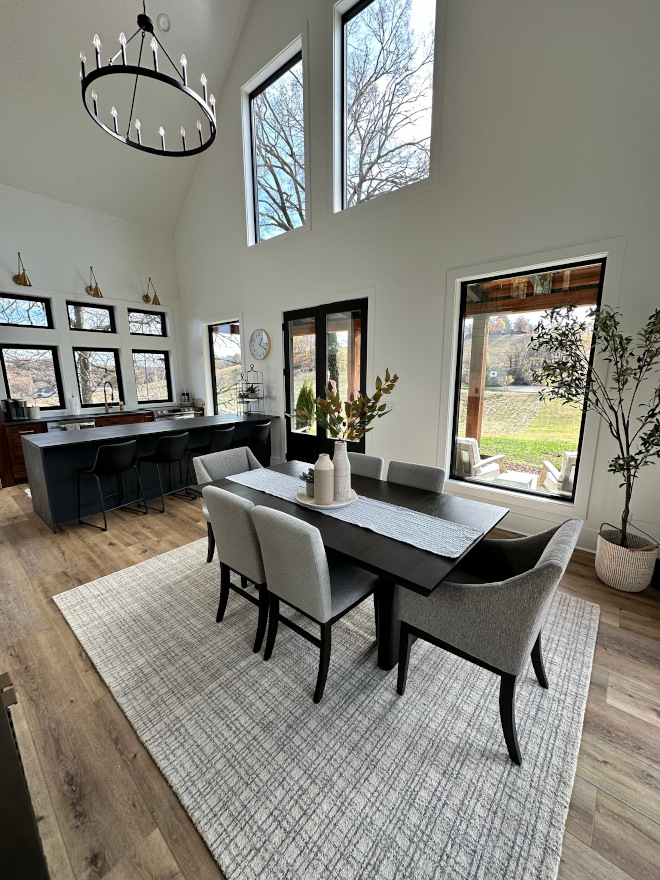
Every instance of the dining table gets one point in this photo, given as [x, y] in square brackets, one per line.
[395, 562]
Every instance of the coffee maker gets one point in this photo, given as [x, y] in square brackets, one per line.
[14, 408]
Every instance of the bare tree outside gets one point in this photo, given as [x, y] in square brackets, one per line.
[145, 323]
[94, 367]
[31, 375]
[95, 318]
[278, 135]
[23, 312]
[151, 376]
[389, 92]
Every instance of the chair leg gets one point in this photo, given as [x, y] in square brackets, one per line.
[140, 499]
[78, 495]
[405, 644]
[324, 660]
[376, 611]
[508, 716]
[224, 592]
[263, 617]
[211, 548]
[273, 620]
[537, 663]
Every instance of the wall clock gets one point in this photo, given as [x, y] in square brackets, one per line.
[260, 344]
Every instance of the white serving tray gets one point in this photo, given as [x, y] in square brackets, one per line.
[303, 498]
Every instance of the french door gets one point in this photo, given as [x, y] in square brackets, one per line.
[324, 346]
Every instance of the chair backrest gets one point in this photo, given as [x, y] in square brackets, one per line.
[260, 432]
[115, 458]
[419, 476]
[221, 439]
[234, 532]
[172, 447]
[366, 465]
[467, 455]
[295, 562]
[218, 465]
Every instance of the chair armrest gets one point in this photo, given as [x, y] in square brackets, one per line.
[492, 459]
[549, 469]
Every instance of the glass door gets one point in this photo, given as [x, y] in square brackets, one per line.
[324, 347]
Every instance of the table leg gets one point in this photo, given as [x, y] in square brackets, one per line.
[388, 626]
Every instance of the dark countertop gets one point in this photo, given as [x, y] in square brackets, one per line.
[58, 439]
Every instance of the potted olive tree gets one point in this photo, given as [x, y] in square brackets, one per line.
[349, 420]
[622, 387]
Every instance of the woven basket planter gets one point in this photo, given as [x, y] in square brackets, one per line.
[625, 568]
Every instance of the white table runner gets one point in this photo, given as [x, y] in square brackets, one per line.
[400, 523]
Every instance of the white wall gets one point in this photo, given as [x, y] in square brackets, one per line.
[58, 243]
[549, 125]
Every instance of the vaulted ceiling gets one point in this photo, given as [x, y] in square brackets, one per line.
[48, 143]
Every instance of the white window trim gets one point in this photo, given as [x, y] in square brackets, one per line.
[548, 509]
[336, 209]
[298, 45]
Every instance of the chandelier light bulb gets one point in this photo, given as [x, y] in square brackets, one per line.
[184, 68]
[201, 137]
[83, 59]
[94, 98]
[138, 128]
[154, 49]
[113, 113]
[212, 103]
[183, 137]
[97, 41]
[122, 43]
[203, 81]
[161, 132]
[97, 46]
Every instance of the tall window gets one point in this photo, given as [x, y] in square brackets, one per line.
[278, 151]
[95, 367]
[387, 83]
[152, 376]
[505, 435]
[141, 323]
[32, 373]
[225, 349]
[94, 319]
[25, 311]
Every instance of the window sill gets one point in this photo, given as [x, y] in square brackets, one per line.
[290, 233]
[553, 509]
[387, 198]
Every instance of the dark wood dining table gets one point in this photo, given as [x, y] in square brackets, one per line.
[395, 562]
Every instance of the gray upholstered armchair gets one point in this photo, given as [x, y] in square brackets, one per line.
[492, 611]
[217, 466]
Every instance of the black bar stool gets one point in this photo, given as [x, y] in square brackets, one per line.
[258, 442]
[112, 460]
[221, 439]
[171, 449]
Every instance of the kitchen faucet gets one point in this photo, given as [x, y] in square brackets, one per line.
[105, 394]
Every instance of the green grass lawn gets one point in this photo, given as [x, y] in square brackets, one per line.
[528, 430]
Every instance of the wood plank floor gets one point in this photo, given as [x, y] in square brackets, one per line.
[103, 808]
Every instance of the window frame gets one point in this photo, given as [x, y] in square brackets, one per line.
[40, 299]
[465, 281]
[56, 368]
[163, 323]
[109, 309]
[120, 383]
[168, 374]
[214, 383]
[260, 89]
[298, 45]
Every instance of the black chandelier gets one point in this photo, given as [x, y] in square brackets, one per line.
[118, 64]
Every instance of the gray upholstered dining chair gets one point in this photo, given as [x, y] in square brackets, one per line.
[366, 465]
[238, 551]
[299, 574]
[217, 466]
[492, 611]
[419, 476]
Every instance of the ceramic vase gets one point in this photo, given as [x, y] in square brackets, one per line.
[324, 480]
[342, 472]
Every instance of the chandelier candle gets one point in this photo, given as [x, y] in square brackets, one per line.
[183, 136]
[113, 112]
[161, 132]
[138, 128]
[199, 129]
[203, 81]
[154, 49]
[122, 43]
[96, 107]
[184, 68]
[97, 46]
[83, 58]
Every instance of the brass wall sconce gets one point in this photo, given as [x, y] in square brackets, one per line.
[22, 277]
[93, 289]
[151, 299]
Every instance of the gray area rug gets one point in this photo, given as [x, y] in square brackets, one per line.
[364, 785]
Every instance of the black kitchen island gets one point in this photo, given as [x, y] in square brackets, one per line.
[51, 460]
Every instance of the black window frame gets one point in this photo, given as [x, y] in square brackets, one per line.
[56, 367]
[109, 309]
[163, 323]
[534, 493]
[214, 384]
[40, 299]
[168, 373]
[298, 57]
[120, 383]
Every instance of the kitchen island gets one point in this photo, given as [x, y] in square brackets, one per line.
[51, 460]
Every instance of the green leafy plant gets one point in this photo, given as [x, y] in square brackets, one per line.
[247, 393]
[305, 405]
[308, 475]
[351, 419]
[562, 338]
